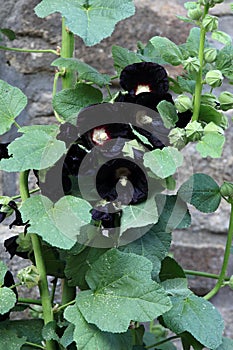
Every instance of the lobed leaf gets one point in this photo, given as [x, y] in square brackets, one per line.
[168, 50]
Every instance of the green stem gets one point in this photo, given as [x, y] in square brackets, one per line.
[199, 83]
[67, 51]
[55, 81]
[29, 301]
[30, 192]
[40, 264]
[162, 342]
[204, 274]
[227, 253]
[34, 345]
[64, 306]
[16, 49]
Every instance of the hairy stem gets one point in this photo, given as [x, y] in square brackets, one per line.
[198, 87]
[40, 264]
[222, 275]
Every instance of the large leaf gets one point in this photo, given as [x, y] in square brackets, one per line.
[92, 21]
[36, 149]
[10, 341]
[168, 50]
[196, 316]
[202, 192]
[139, 215]
[12, 102]
[69, 102]
[88, 336]
[85, 72]
[58, 224]
[121, 290]
[163, 163]
[154, 245]
[7, 300]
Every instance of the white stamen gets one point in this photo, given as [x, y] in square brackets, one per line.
[99, 136]
[142, 88]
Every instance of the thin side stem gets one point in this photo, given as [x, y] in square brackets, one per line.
[40, 264]
[204, 274]
[199, 84]
[29, 301]
[33, 345]
[162, 342]
[16, 49]
[222, 275]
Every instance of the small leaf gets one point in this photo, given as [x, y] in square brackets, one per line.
[85, 72]
[202, 192]
[36, 149]
[187, 85]
[7, 300]
[211, 144]
[170, 269]
[139, 215]
[190, 313]
[163, 163]
[222, 37]
[58, 224]
[168, 113]
[86, 20]
[168, 50]
[88, 336]
[121, 293]
[3, 270]
[12, 102]
[10, 341]
[10, 34]
[68, 336]
[49, 331]
[209, 114]
[69, 102]
[123, 57]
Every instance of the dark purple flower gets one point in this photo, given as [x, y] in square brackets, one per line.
[4, 151]
[7, 209]
[12, 246]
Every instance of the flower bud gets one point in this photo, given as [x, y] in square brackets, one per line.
[209, 99]
[192, 65]
[214, 78]
[210, 23]
[195, 14]
[226, 100]
[29, 276]
[177, 138]
[210, 55]
[226, 190]
[183, 103]
[194, 131]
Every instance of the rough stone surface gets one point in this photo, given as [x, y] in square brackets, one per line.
[201, 246]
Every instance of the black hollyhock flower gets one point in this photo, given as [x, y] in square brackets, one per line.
[12, 246]
[4, 213]
[8, 282]
[4, 151]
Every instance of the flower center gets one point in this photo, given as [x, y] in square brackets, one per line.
[142, 88]
[100, 136]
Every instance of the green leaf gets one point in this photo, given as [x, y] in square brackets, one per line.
[187, 85]
[36, 149]
[196, 316]
[211, 144]
[227, 344]
[69, 102]
[224, 60]
[10, 341]
[202, 192]
[123, 57]
[8, 33]
[222, 37]
[86, 20]
[168, 50]
[163, 163]
[85, 72]
[168, 113]
[68, 336]
[154, 245]
[121, 290]
[49, 331]
[58, 224]
[77, 265]
[12, 102]
[143, 214]
[7, 299]
[209, 114]
[3, 270]
[173, 212]
[193, 41]
[87, 336]
[170, 269]
[188, 340]
[177, 287]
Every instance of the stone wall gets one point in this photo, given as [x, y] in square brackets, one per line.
[201, 247]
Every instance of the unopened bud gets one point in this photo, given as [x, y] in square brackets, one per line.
[209, 99]
[226, 190]
[210, 55]
[194, 131]
[214, 78]
[192, 65]
[29, 276]
[177, 138]
[226, 100]
[183, 103]
[210, 23]
[195, 14]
